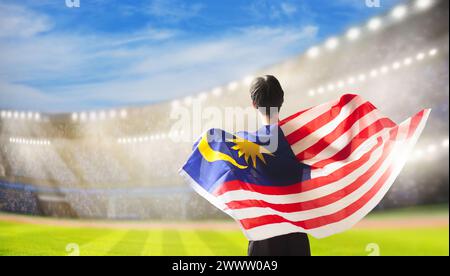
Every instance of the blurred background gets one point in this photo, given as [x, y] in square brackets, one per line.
[81, 137]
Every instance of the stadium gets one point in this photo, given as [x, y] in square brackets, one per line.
[107, 181]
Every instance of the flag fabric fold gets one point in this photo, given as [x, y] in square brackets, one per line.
[332, 164]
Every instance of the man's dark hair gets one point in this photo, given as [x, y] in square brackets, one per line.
[266, 92]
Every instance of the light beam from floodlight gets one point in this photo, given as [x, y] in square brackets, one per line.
[407, 61]
[374, 24]
[74, 117]
[374, 73]
[83, 116]
[399, 12]
[112, 114]
[217, 91]
[445, 143]
[332, 43]
[102, 115]
[420, 56]
[123, 113]
[353, 33]
[248, 80]
[424, 4]
[92, 116]
[232, 86]
[313, 52]
[431, 148]
[432, 52]
[396, 65]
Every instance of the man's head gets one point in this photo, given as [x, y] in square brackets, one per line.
[266, 92]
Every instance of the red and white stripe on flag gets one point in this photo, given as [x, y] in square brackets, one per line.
[355, 153]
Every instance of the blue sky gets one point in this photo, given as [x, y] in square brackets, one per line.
[111, 53]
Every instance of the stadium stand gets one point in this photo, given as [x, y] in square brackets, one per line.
[122, 164]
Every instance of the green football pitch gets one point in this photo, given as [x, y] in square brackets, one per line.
[404, 232]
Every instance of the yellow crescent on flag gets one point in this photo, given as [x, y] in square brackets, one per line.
[211, 155]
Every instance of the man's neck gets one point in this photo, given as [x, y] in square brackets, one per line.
[267, 120]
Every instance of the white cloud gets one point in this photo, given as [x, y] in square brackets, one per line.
[16, 21]
[288, 8]
[272, 9]
[65, 72]
[174, 10]
[193, 66]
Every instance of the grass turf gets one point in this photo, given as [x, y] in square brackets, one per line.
[33, 239]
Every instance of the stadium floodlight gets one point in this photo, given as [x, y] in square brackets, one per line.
[445, 143]
[311, 93]
[399, 12]
[340, 84]
[374, 73]
[362, 77]
[353, 33]
[374, 24]
[123, 113]
[330, 87]
[407, 61]
[433, 52]
[424, 4]
[37, 116]
[218, 91]
[396, 65]
[74, 117]
[313, 52]
[22, 115]
[16, 115]
[332, 43]
[431, 148]
[102, 115]
[9, 114]
[92, 116]
[384, 69]
[145, 138]
[232, 86]
[112, 114]
[29, 115]
[141, 139]
[351, 80]
[320, 90]
[202, 96]
[3, 114]
[248, 80]
[83, 116]
[420, 56]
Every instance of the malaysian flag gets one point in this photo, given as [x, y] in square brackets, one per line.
[332, 165]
